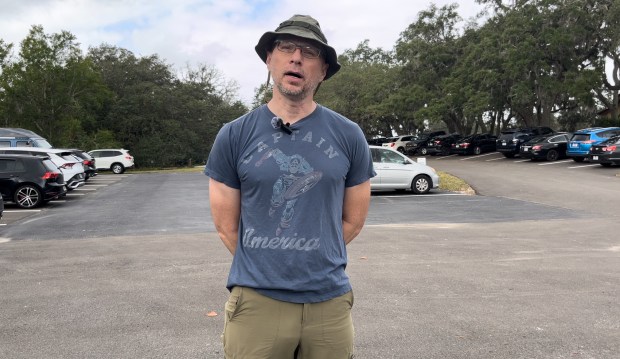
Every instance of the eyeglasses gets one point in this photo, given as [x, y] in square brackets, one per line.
[307, 51]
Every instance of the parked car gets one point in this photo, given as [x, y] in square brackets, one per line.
[475, 144]
[606, 153]
[30, 181]
[19, 137]
[88, 162]
[420, 143]
[1, 206]
[116, 160]
[395, 171]
[548, 147]
[510, 140]
[442, 145]
[70, 166]
[582, 140]
[377, 141]
[398, 143]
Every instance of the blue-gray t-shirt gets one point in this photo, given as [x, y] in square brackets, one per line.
[291, 245]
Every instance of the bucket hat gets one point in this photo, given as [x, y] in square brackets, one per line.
[303, 26]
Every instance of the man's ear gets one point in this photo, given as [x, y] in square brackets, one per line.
[325, 67]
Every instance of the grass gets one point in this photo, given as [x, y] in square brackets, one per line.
[448, 182]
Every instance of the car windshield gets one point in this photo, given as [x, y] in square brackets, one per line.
[539, 139]
[467, 139]
[42, 143]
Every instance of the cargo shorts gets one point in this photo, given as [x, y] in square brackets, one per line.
[259, 327]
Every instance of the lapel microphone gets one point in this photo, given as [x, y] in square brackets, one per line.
[277, 122]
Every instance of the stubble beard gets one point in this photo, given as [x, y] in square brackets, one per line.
[296, 95]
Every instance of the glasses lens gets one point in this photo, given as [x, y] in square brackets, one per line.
[307, 51]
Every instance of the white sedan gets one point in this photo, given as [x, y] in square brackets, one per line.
[396, 171]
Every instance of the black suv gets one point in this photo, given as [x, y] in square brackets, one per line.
[420, 142]
[30, 181]
[510, 140]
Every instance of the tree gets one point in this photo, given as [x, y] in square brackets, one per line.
[50, 87]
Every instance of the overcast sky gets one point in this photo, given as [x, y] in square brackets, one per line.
[221, 33]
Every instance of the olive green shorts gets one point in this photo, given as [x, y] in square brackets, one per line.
[258, 327]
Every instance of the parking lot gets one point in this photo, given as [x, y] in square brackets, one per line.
[131, 267]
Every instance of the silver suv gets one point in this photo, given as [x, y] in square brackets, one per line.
[115, 160]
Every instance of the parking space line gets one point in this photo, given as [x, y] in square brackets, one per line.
[75, 194]
[21, 210]
[96, 185]
[85, 189]
[520, 161]
[495, 159]
[554, 163]
[584, 166]
[476, 156]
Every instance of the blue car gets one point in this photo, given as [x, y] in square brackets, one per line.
[580, 143]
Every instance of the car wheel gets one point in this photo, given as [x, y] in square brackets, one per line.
[477, 150]
[421, 184]
[117, 168]
[578, 159]
[400, 149]
[28, 196]
[553, 155]
[509, 155]
[423, 151]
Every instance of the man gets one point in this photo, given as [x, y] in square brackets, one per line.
[289, 188]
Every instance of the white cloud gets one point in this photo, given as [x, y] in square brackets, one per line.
[221, 33]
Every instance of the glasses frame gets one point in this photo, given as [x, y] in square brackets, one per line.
[304, 49]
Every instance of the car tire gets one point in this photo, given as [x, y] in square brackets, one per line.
[552, 155]
[28, 196]
[421, 184]
[117, 168]
[423, 151]
[477, 150]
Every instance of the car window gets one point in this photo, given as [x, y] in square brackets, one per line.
[391, 157]
[5, 143]
[23, 144]
[556, 139]
[6, 165]
[581, 137]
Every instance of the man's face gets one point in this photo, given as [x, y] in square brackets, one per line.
[294, 74]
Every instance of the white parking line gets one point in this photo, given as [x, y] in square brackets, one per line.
[584, 166]
[96, 185]
[477, 156]
[85, 189]
[519, 161]
[2, 224]
[441, 158]
[495, 159]
[21, 210]
[75, 194]
[555, 163]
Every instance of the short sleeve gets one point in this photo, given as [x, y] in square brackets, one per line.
[361, 169]
[222, 162]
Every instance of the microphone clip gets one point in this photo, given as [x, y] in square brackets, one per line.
[277, 123]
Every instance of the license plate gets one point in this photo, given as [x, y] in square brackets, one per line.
[503, 143]
[595, 158]
[574, 145]
[526, 149]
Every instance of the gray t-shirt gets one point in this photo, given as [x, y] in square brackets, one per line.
[291, 245]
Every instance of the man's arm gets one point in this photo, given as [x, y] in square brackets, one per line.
[225, 211]
[355, 210]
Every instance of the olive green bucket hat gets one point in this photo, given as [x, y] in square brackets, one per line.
[303, 26]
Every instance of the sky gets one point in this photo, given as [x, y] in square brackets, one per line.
[218, 33]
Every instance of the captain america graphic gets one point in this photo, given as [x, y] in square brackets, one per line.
[298, 178]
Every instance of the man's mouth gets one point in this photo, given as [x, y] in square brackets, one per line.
[294, 74]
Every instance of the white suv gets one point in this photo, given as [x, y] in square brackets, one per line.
[116, 160]
[398, 143]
